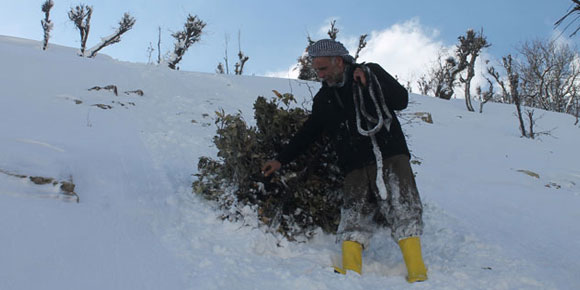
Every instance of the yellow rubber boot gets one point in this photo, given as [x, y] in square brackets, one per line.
[351, 257]
[411, 249]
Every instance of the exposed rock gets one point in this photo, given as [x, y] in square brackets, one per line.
[12, 174]
[67, 187]
[425, 116]
[103, 106]
[41, 180]
[112, 88]
[138, 92]
[529, 172]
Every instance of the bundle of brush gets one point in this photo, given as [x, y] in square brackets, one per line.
[298, 200]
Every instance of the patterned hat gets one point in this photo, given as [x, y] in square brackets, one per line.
[329, 47]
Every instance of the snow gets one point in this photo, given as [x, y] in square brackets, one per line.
[138, 226]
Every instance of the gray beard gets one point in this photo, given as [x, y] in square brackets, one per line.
[340, 83]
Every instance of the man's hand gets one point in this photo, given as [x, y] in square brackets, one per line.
[270, 167]
[359, 76]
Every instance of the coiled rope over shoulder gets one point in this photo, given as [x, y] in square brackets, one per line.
[373, 125]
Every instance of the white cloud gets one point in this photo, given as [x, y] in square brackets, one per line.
[409, 50]
[405, 49]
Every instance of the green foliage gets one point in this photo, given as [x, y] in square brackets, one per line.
[297, 200]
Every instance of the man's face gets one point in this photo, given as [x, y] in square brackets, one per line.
[329, 69]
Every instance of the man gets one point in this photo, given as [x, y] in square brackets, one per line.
[355, 106]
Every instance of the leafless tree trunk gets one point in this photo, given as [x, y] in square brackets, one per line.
[577, 105]
[485, 96]
[450, 70]
[159, 46]
[226, 58]
[531, 122]
[362, 43]
[46, 22]
[150, 51]
[124, 25]
[438, 74]
[239, 66]
[437, 78]
[512, 95]
[574, 108]
[514, 78]
[220, 69]
[469, 48]
[442, 76]
[333, 31]
[409, 87]
[81, 17]
[505, 96]
[424, 85]
[190, 34]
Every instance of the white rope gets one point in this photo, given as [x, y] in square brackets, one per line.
[384, 120]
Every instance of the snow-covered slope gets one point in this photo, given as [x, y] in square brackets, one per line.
[138, 226]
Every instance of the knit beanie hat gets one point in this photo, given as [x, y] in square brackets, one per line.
[329, 47]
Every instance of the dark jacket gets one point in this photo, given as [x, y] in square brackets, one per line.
[333, 112]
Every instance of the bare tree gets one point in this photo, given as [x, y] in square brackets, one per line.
[550, 75]
[150, 51]
[442, 77]
[362, 43]
[485, 96]
[575, 8]
[408, 86]
[332, 31]
[46, 22]
[450, 71]
[226, 60]
[468, 50]
[239, 66]
[159, 46]
[505, 96]
[220, 69]
[575, 107]
[514, 79]
[125, 25]
[424, 85]
[512, 89]
[531, 122]
[81, 17]
[190, 34]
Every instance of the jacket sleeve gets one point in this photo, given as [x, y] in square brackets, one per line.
[395, 94]
[307, 134]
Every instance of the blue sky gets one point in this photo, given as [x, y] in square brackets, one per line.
[404, 35]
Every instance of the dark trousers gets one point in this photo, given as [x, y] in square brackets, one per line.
[363, 208]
